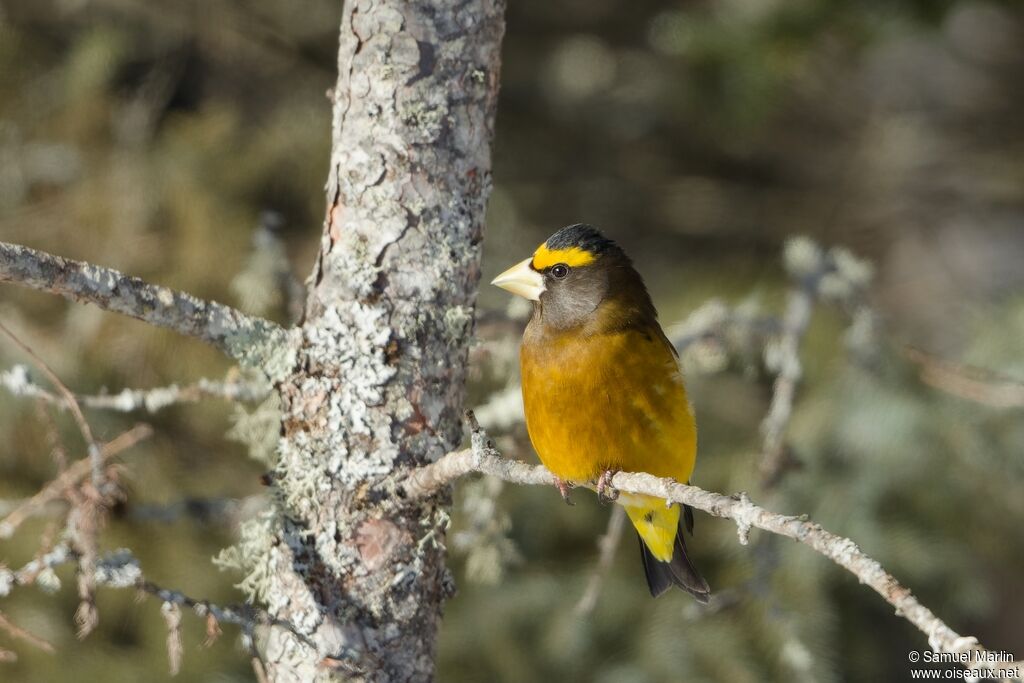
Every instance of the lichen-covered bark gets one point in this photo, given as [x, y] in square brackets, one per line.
[379, 381]
[253, 342]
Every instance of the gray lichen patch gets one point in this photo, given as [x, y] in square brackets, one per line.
[258, 429]
[348, 343]
[426, 119]
[254, 555]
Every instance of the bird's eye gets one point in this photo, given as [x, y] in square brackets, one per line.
[559, 271]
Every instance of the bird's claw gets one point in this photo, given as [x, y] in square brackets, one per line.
[563, 489]
[606, 493]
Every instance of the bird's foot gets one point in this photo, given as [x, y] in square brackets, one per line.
[563, 489]
[605, 492]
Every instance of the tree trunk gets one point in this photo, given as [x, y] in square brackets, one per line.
[378, 385]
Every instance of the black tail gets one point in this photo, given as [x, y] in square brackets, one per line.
[679, 571]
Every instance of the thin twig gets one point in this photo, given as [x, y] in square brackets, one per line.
[252, 341]
[70, 402]
[607, 545]
[16, 631]
[775, 456]
[120, 569]
[69, 477]
[967, 382]
[46, 546]
[17, 381]
[258, 669]
[27, 575]
[836, 276]
[245, 616]
[58, 453]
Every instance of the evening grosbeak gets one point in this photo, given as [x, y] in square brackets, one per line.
[603, 390]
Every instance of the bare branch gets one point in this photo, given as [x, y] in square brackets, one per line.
[58, 453]
[483, 458]
[70, 402]
[46, 545]
[246, 616]
[16, 631]
[807, 264]
[87, 516]
[836, 276]
[120, 569]
[258, 670]
[60, 554]
[253, 342]
[966, 382]
[17, 381]
[69, 477]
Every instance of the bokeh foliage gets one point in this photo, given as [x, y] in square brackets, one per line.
[150, 137]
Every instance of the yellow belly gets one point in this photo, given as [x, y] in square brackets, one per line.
[608, 401]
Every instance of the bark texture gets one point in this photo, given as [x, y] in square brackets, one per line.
[253, 342]
[379, 379]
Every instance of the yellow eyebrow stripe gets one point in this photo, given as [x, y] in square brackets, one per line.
[574, 257]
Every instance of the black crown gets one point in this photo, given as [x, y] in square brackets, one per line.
[586, 237]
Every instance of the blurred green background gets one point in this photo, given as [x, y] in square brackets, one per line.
[150, 136]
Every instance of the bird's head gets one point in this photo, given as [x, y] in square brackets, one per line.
[572, 274]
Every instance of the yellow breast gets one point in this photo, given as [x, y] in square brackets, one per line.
[611, 400]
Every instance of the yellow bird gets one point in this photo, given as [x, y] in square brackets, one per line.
[603, 390]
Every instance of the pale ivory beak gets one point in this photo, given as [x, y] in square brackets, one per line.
[521, 279]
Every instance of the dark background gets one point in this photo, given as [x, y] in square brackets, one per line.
[149, 137]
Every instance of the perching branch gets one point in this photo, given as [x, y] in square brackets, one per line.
[253, 342]
[484, 458]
